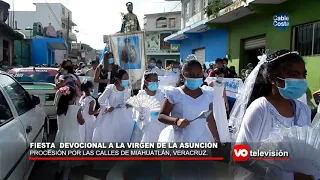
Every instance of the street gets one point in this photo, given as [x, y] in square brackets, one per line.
[47, 169]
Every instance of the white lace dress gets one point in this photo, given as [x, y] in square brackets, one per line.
[115, 126]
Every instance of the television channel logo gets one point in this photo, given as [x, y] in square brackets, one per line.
[240, 152]
[281, 21]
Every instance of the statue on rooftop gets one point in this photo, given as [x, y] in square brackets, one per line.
[130, 21]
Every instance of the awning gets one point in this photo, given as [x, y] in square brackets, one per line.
[233, 12]
[8, 30]
[57, 43]
[188, 32]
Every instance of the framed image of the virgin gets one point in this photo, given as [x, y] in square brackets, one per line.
[129, 54]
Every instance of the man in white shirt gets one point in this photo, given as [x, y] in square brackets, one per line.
[174, 69]
[158, 68]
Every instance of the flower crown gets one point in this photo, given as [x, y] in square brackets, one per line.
[64, 90]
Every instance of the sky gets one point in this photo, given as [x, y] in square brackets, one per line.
[95, 18]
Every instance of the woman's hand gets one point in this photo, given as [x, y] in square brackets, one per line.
[211, 84]
[182, 123]
[110, 109]
[300, 176]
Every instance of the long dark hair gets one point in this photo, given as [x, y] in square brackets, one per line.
[68, 68]
[147, 75]
[276, 62]
[64, 100]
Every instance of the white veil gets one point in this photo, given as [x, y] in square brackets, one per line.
[240, 106]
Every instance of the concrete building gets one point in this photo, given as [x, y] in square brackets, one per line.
[7, 36]
[196, 37]
[53, 14]
[157, 27]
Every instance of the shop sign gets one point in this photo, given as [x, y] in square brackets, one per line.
[231, 8]
[281, 21]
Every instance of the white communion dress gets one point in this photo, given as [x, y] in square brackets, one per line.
[86, 131]
[198, 131]
[153, 127]
[219, 112]
[115, 126]
[262, 118]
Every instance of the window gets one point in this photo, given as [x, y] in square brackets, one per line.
[196, 7]
[17, 94]
[63, 11]
[5, 114]
[172, 22]
[161, 22]
[164, 45]
[307, 39]
[63, 25]
[187, 10]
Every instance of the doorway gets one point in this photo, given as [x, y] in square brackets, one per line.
[252, 48]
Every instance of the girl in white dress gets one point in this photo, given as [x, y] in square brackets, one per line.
[88, 103]
[152, 129]
[69, 118]
[114, 122]
[268, 103]
[185, 103]
[221, 105]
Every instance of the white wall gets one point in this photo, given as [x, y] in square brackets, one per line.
[152, 19]
[42, 14]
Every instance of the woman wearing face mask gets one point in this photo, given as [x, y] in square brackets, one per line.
[153, 128]
[105, 73]
[269, 104]
[181, 105]
[114, 123]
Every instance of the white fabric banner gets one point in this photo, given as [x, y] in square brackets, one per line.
[233, 85]
[129, 52]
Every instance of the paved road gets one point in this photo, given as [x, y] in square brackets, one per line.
[46, 170]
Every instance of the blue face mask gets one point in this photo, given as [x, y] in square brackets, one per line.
[193, 83]
[175, 70]
[124, 83]
[152, 65]
[110, 60]
[294, 88]
[153, 86]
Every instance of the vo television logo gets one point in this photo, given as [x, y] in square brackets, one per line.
[240, 152]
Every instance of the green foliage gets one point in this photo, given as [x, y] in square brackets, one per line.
[214, 7]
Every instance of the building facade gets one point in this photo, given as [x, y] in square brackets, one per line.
[253, 31]
[7, 36]
[53, 14]
[157, 27]
[196, 37]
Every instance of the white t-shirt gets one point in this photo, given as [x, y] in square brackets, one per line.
[160, 72]
[262, 118]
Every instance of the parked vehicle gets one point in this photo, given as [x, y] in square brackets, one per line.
[22, 121]
[39, 81]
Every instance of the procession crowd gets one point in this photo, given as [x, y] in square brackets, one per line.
[96, 111]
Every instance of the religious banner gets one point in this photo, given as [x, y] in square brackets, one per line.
[129, 52]
[233, 86]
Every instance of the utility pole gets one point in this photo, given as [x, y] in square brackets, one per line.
[68, 26]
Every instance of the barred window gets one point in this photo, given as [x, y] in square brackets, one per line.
[307, 39]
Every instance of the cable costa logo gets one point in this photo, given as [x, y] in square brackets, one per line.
[281, 21]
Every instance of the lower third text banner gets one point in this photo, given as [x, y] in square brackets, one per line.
[123, 151]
